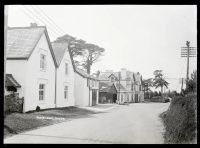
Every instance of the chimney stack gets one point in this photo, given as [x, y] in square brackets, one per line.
[33, 24]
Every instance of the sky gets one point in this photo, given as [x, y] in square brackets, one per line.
[140, 38]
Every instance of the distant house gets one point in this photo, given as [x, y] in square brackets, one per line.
[127, 85]
[64, 76]
[31, 62]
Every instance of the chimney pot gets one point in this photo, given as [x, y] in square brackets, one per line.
[33, 24]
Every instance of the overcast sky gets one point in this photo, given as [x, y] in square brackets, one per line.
[136, 37]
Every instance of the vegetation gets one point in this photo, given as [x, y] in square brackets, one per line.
[181, 118]
[84, 54]
[159, 81]
[17, 122]
[192, 83]
[146, 86]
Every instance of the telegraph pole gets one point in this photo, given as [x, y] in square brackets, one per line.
[188, 52]
[181, 84]
[119, 87]
[5, 46]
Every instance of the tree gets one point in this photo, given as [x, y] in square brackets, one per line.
[91, 55]
[159, 81]
[146, 85]
[84, 54]
[192, 83]
[74, 45]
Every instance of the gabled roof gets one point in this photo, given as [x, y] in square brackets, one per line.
[10, 81]
[59, 50]
[119, 87]
[129, 76]
[105, 86]
[106, 75]
[21, 41]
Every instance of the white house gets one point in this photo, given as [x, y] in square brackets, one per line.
[86, 89]
[31, 61]
[64, 76]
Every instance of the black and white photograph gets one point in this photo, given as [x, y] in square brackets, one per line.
[100, 74]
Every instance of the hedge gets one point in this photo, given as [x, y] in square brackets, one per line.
[13, 103]
[181, 119]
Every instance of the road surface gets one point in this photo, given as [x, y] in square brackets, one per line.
[136, 123]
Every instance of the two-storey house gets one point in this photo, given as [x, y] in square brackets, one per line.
[31, 62]
[64, 76]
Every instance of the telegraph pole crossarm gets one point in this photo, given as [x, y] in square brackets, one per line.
[188, 52]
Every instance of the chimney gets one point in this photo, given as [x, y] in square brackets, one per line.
[33, 24]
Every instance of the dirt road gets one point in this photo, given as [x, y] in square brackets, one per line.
[137, 123]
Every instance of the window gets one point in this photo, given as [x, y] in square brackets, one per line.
[66, 68]
[42, 62]
[41, 92]
[66, 92]
[128, 83]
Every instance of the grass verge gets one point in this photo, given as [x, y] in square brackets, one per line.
[18, 122]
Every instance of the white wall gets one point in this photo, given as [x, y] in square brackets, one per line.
[81, 91]
[62, 80]
[18, 69]
[35, 76]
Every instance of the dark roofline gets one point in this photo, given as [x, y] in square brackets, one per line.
[112, 74]
[51, 49]
[35, 44]
[17, 58]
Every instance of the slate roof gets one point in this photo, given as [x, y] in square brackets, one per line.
[129, 75]
[105, 86]
[21, 41]
[105, 75]
[10, 81]
[59, 51]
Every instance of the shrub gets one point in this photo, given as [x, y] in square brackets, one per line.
[157, 99]
[166, 100]
[180, 119]
[13, 103]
